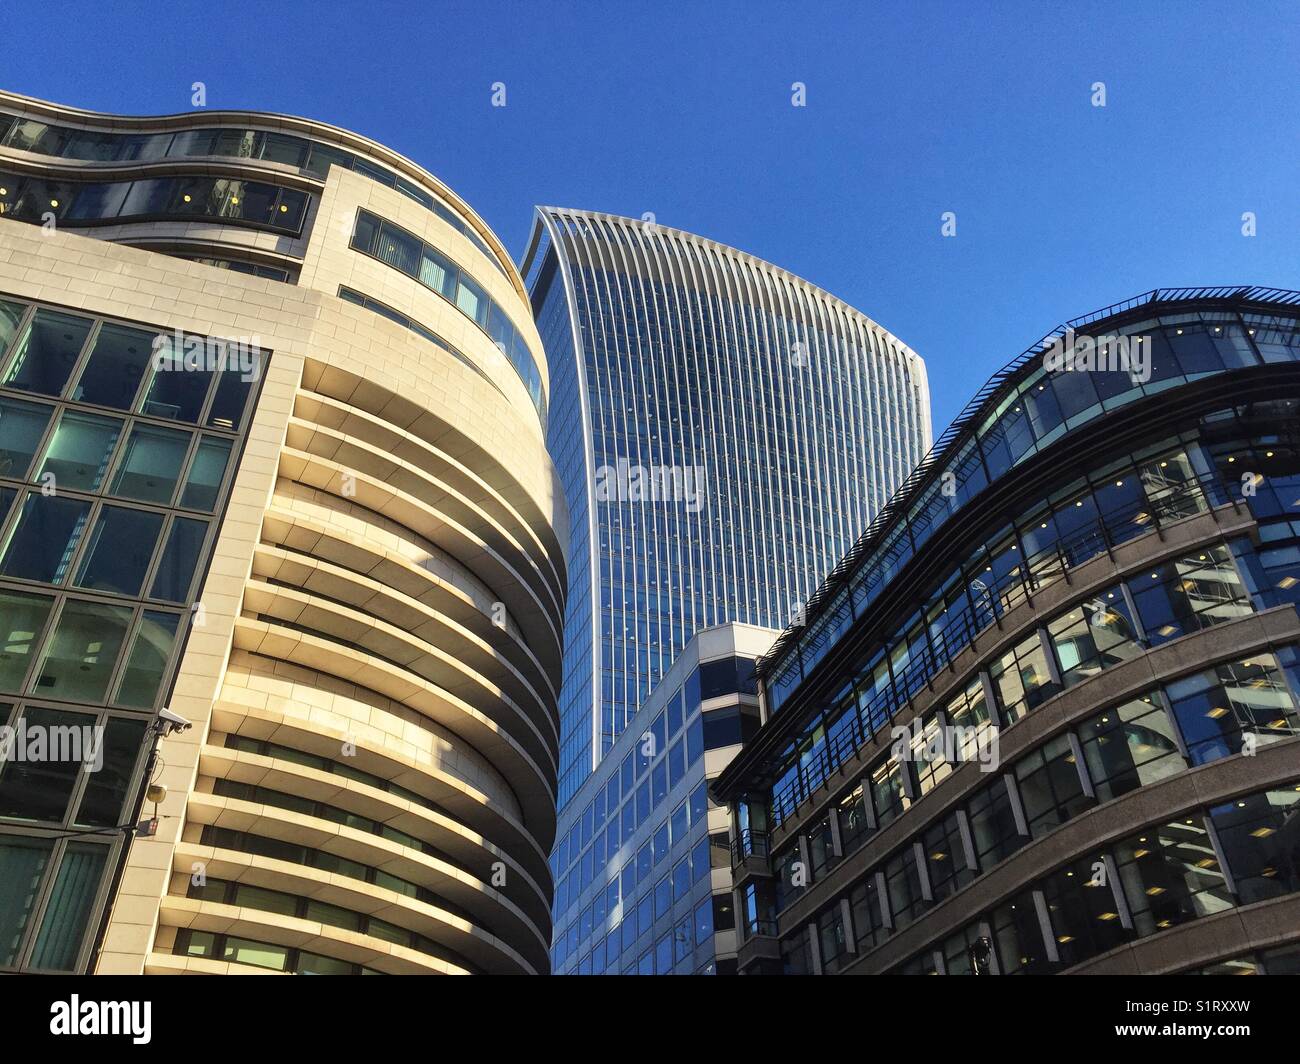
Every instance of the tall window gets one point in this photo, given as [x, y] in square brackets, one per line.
[1170, 874]
[1129, 746]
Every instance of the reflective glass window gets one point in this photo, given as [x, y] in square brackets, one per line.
[82, 652]
[1260, 843]
[1093, 636]
[207, 468]
[79, 451]
[1232, 707]
[118, 551]
[117, 364]
[150, 464]
[179, 563]
[21, 427]
[44, 357]
[1170, 875]
[146, 665]
[22, 619]
[44, 538]
[39, 785]
[1130, 746]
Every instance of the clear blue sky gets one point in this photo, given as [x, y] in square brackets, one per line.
[684, 109]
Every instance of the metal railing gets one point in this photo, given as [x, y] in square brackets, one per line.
[895, 509]
[749, 844]
[1106, 531]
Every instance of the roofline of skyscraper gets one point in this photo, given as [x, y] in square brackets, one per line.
[534, 242]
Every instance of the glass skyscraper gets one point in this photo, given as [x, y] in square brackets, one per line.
[724, 431]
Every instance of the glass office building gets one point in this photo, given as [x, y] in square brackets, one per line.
[724, 432]
[642, 860]
[272, 457]
[1045, 715]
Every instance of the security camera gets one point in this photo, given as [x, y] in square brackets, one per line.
[169, 723]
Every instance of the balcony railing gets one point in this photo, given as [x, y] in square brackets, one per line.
[749, 844]
[1109, 529]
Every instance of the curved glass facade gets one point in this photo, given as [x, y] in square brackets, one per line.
[733, 430]
[405, 252]
[229, 142]
[1027, 416]
[155, 199]
[1132, 590]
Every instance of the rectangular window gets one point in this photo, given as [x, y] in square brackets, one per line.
[179, 382]
[1260, 843]
[398, 249]
[1050, 789]
[179, 564]
[44, 538]
[80, 656]
[1129, 746]
[854, 827]
[682, 879]
[945, 857]
[104, 802]
[868, 920]
[257, 954]
[233, 388]
[821, 854]
[22, 619]
[1022, 679]
[44, 357]
[831, 938]
[150, 464]
[147, 665]
[887, 794]
[117, 364]
[22, 867]
[971, 721]
[1093, 636]
[1017, 933]
[1189, 594]
[40, 789]
[993, 825]
[118, 551]
[962, 952]
[796, 954]
[1218, 708]
[929, 760]
[903, 887]
[661, 842]
[1082, 910]
[1170, 875]
[21, 427]
[63, 925]
[472, 300]
[79, 451]
[439, 273]
[704, 921]
[791, 877]
[207, 469]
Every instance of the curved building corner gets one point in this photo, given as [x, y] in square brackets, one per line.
[1045, 716]
[288, 391]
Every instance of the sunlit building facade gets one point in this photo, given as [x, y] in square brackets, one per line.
[272, 458]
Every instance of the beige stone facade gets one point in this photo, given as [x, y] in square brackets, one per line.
[383, 604]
